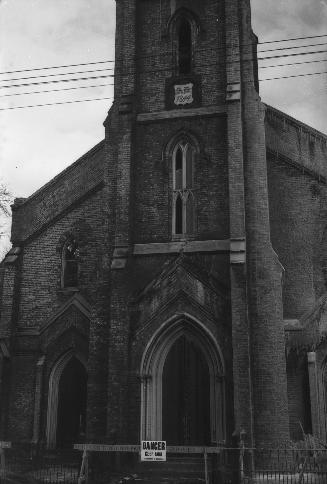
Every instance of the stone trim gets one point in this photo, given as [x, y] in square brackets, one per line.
[280, 157]
[181, 113]
[182, 246]
[151, 372]
[37, 399]
[53, 395]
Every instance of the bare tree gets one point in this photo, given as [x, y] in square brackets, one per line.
[5, 214]
[5, 200]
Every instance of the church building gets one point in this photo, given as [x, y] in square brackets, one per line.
[171, 283]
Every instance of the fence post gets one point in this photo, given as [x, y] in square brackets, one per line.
[206, 476]
[84, 472]
[242, 455]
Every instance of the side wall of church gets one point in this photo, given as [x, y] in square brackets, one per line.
[41, 294]
[297, 180]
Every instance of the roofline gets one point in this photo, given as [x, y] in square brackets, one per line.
[54, 180]
[296, 122]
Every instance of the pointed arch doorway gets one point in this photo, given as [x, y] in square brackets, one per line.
[182, 399]
[186, 395]
[66, 417]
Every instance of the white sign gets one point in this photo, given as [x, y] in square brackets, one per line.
[183, 94]
[153, 450]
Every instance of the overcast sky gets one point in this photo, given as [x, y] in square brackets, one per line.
[36, 144]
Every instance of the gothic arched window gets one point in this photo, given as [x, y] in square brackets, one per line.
[183, 189]
[70, 254]
[184, 46]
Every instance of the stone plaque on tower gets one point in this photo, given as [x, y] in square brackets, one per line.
[183, 92]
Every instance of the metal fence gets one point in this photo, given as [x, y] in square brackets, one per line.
[220, 466]
[284, 466]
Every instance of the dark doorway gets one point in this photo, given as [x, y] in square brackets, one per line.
[71, 419]
[186, 395]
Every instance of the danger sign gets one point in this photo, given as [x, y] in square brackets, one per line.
[153, 450]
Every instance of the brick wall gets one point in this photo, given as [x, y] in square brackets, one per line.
[155, 56]
[58, 195]
[152, 179]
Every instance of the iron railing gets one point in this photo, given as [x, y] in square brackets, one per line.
[219, 465]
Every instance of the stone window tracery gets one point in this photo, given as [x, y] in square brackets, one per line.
[183, 189]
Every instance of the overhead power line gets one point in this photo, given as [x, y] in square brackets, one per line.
[292, 55]
[57, 67]
[107, 98]
[294, 38]
[293, 47]
[56, 75]
[279, 56]
[111, 84]
[56, 90]
[53, 104]
[56, 81]
[294, 63]
[295, 75]
[64, 66]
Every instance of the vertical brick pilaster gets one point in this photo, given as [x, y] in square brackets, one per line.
[317, 424]
[97, 374]
[240, 325]
[37, 399]
[10, 293]
[271, 422]
[117, 410]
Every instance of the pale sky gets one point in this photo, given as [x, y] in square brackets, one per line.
[38, 143]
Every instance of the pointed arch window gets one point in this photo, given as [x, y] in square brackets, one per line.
[70, 254]
[184, 46]
[183, 189]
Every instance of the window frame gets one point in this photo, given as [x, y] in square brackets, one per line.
[185, 192]
[173, 28]
[64, 261]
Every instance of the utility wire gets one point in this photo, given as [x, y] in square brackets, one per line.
[55, 75]
[53, 104]
[291, 55]
[293, 64]
[56, 81]
[295, 38]
[110, 84]
[155, 55]
[293, 47]
[295, 75]
[151, 71]
[55, 90]
[57, 67]
[106, 98]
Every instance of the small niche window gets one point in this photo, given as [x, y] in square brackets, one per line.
[184, 46]
[70, 255]
[183, 189]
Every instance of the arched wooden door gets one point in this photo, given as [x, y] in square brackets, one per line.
[186, 395]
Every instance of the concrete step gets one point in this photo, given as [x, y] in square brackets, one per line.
[178, 470]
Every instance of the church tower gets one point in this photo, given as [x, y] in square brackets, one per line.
[187, 341]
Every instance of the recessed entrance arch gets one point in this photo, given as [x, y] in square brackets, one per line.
[66, 416]
[182, 385]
